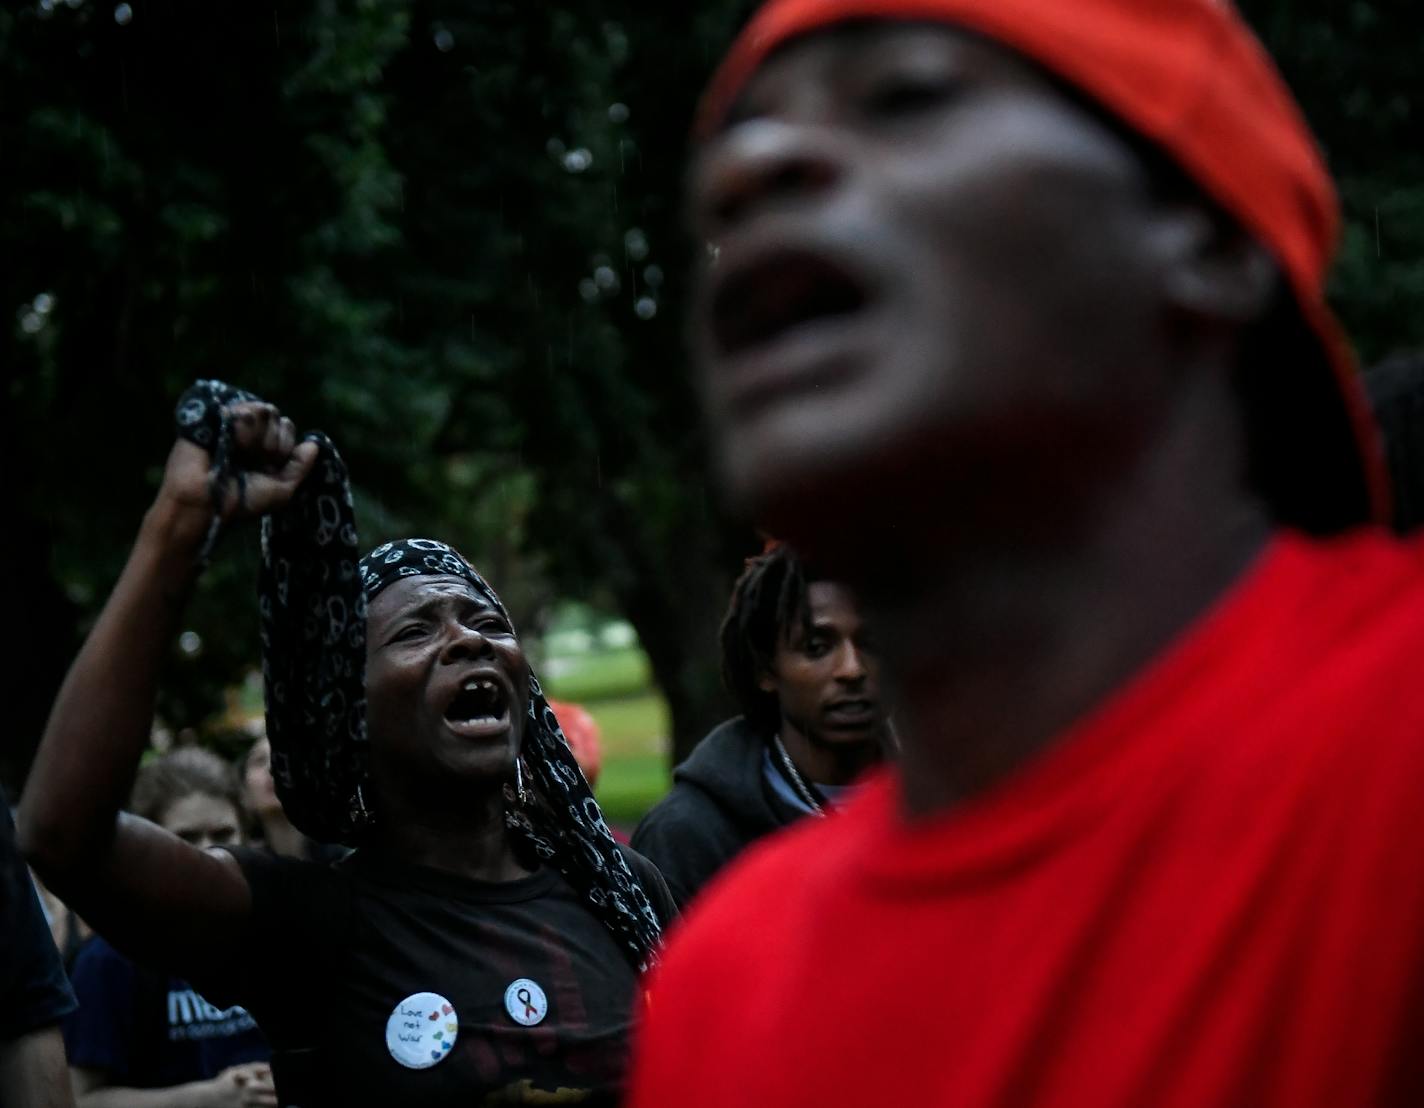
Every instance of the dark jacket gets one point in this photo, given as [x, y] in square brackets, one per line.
[720, 802]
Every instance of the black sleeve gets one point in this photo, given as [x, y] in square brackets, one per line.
[34, 991]
[301, 916]
[687, 847]
[653, 884]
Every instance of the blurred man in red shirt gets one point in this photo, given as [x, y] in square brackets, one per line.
[1013, 319]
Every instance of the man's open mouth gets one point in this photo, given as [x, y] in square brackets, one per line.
[481, 706]
[852, 711]
[779, 293]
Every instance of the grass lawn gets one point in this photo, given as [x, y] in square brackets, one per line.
[596, 675]
[615, 689]
[630, 785]
[635, 760]
[635, 755]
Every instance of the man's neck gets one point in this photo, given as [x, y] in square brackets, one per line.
[827, 762]
[996, 647]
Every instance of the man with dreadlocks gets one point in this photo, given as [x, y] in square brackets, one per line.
[483, 942]
[797, 656]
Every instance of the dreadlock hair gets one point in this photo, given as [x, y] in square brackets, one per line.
[1396, 391]
[189, 769]
[767, 600]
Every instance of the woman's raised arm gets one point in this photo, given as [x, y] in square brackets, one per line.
[146, 889]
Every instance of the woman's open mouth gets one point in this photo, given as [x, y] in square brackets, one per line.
[480, 708]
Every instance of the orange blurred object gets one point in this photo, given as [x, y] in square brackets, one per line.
[584, 738]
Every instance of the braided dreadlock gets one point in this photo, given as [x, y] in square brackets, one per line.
[768, 599]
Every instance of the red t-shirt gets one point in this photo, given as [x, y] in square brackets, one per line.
[1210, 891]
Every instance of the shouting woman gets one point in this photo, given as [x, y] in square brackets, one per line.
[483, 941]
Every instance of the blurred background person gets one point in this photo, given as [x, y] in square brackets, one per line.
[145, 1039]
[34, 993]
[798, 657]
[272, 828]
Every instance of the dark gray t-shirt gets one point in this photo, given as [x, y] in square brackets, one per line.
[535, 996]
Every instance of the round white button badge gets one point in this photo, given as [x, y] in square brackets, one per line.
[421, 1030]
[525, 1002]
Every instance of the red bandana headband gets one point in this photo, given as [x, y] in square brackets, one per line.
[1189, 76]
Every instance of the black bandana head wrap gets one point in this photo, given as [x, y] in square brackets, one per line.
[392, 561]
[312, 597]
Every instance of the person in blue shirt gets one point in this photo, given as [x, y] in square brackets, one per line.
[143, 1038]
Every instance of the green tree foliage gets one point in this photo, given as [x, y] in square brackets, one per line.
[1355, 68]
[187, 189]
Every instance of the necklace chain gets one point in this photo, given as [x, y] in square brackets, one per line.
[797, 781]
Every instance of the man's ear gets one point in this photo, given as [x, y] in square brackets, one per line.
[1215, 270]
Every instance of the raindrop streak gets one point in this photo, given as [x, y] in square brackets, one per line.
[122, 14]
